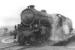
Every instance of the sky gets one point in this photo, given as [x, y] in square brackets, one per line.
[10, 10]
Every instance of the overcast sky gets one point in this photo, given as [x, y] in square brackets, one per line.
[10, 9]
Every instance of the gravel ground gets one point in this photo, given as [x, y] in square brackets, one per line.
[12, 47]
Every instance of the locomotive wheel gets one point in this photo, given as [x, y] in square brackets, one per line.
[21, 40]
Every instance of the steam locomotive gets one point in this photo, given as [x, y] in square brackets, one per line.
[38, 27]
